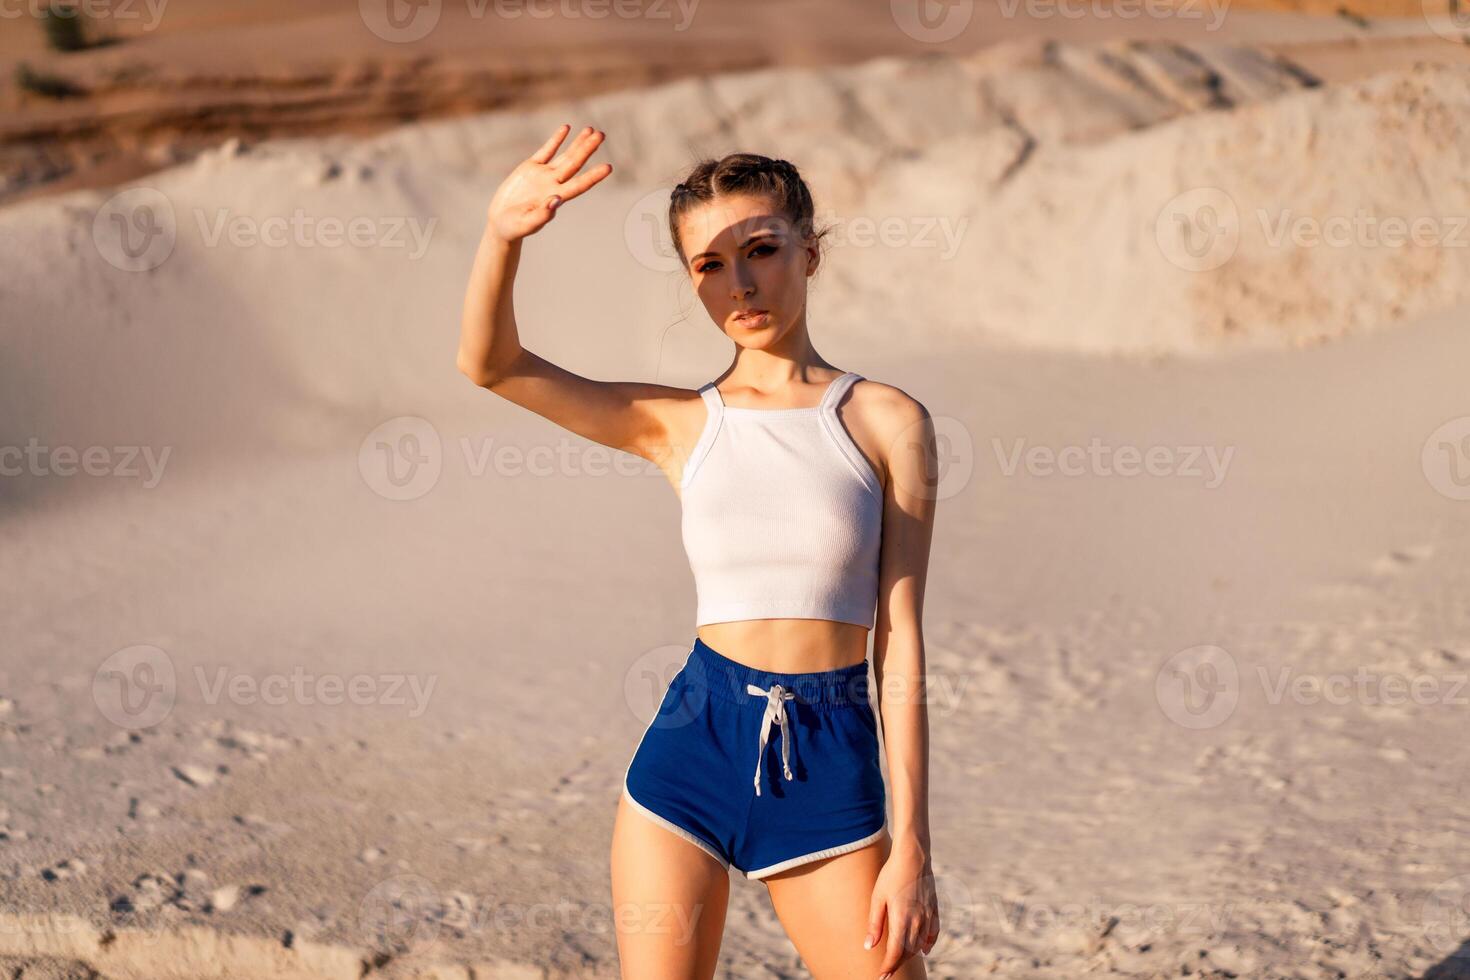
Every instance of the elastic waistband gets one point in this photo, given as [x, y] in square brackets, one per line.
[724, 678]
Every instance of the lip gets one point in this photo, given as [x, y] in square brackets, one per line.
[752, 316]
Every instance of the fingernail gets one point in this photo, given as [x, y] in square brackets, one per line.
[867, 942]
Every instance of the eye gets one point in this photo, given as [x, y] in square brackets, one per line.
[768, 249]
[707, 266]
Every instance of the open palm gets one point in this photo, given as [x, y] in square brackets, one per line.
[529, 198]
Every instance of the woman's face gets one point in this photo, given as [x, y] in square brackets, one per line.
[743, 254]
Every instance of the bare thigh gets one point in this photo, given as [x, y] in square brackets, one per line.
[824, 908]
[669, 901]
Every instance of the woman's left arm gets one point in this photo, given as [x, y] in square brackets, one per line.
[904, 903]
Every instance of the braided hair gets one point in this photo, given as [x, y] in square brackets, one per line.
[745, 173]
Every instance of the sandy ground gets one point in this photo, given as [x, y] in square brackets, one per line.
[180, 77]
[331, 664]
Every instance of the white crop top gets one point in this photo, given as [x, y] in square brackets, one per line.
[782, 514]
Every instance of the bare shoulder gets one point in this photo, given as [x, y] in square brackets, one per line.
[887, 409]
[883, 420]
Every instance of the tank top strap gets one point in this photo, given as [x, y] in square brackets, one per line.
[837, 389]
[714, 414]
[711, 396]
[839, 434]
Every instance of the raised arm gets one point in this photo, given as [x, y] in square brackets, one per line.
[631, 416]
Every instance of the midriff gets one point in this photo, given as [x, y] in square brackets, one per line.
[788, 646]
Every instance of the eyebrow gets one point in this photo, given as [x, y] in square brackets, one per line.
[752, 238]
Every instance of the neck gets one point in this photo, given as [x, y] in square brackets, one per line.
[775, 368]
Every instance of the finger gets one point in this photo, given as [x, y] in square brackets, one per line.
[893, 955]
[579, 186]
[876, 919]
[932, 936]
[558, 164]
[916, 938]
[549, 147]
[582, 147]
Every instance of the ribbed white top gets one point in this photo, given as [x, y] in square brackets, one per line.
[782, 515]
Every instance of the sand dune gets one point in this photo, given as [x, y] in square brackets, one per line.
[184, 77]
[1309, 527]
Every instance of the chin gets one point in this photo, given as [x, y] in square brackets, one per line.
[756, 337]
[771, 326]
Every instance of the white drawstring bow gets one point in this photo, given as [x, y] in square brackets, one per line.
[776, 698]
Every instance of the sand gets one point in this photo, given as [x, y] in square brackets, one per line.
[182, 77]
[390, 641]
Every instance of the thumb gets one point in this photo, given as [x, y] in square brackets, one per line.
[553, 202]
[877, 917]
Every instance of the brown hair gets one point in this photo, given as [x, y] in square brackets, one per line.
[745, 173]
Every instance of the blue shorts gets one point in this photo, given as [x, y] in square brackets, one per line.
[764, 771]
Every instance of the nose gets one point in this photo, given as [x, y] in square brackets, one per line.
[741, 283]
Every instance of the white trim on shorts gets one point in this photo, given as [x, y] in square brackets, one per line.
[669, 825]
[662, 821]
[817, 855]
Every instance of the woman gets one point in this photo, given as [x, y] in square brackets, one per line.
[807, 516]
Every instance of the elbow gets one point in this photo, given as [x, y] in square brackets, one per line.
[478, 373]
[489, 372]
